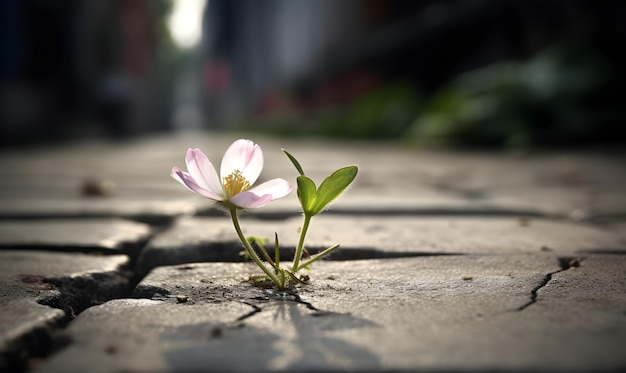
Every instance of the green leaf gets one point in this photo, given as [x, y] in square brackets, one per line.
[294, 161]
[306, 193]
[276, 252]
[332, 187]
[259, 241]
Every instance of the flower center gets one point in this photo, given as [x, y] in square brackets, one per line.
[235, 183]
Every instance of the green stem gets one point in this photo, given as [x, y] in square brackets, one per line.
[305, 228]
[318, 256]
[251, 252]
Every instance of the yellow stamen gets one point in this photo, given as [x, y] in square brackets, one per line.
[235, 183]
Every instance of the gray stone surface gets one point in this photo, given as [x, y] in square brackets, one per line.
[50, 182]
[214, 239]
[464, 313]
[154, 211]
[481, 261]
[551, 183]
[108, 236]
[38, 289]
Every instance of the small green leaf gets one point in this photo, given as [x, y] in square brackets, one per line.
[306, 193]
[294, 161]
[276, 252]
[332, 187]
[260, 243]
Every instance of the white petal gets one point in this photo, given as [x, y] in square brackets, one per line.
[189, 182]
[245, 157]
[277, 188]
[249, 200]
[203, 172]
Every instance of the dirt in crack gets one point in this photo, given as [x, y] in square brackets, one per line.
[75, 294]
[565, 263]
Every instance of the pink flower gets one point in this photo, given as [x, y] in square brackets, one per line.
[241, 166]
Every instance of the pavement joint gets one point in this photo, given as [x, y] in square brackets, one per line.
[77, 294]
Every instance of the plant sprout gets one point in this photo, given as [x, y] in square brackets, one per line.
[233, 191]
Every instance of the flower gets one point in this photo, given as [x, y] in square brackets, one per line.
[241, 166]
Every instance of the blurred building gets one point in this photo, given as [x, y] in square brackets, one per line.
[311, 57]
[78, 67]
[358, 68]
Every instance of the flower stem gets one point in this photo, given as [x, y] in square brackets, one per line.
[251, 252]
[305, 228]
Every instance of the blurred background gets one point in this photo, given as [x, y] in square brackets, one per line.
[497, 73]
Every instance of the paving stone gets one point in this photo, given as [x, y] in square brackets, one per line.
[38, 289]
[514, 301]
[464, 313]
[381, 202]
[150, 210]
[107, 236]
[552, 183]
[618, 228]
[214, 239]
[50, 182]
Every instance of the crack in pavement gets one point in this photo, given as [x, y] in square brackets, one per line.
[565, 264]
[75, 294]
[288, 297]
[255, 309]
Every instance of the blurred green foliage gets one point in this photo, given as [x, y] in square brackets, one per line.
[555, 98]
[382, 113]
[564, 95]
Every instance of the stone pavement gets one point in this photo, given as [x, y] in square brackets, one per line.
[450, 261]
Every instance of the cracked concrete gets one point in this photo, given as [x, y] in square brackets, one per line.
[386, 315]
[41, 291]
[196, 239]
[566, 263]
[449, 262]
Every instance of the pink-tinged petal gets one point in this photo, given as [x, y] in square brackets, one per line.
[277, 188]
[244, 156]
[189, 182]
[203, 172]
[248, 200]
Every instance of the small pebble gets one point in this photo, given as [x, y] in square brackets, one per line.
[467, 277]
[110, 349]
[98, 187]
[181, 298]
[574, 263]
[216, 332]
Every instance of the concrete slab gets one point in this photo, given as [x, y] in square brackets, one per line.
[213, 239]
[106, 236]
[150, 210]
[39, 289]
[414, 201]
[45, 182]
[558, 183]
[523, 293]
[465, 313]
